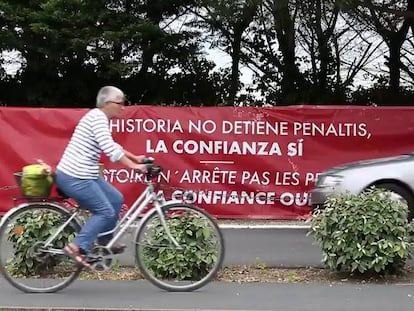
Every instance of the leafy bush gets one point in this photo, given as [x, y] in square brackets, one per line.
[29, 229]
[166, 261]
[368, 232]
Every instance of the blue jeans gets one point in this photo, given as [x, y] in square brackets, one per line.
[98, 196]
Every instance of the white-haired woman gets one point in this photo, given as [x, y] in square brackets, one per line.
[77, 173]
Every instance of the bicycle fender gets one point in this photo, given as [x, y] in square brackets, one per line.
[147, 215]
[151, 212]
[172, 202]
[11, 211]
[25, 205]
[8, 213]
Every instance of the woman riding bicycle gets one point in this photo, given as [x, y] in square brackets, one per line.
[77, 173]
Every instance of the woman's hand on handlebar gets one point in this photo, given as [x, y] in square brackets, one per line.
[140, 167]
[139, 159]
[125, 160]
[142, 159]
[139, 163]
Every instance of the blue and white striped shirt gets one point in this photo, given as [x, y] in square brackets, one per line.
[90, 138]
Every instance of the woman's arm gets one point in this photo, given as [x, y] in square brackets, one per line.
[133, 157]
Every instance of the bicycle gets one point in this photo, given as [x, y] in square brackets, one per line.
[168, 233]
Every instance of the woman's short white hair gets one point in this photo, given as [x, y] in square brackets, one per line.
[107, 94]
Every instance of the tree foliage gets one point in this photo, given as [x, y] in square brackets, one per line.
[300, 52]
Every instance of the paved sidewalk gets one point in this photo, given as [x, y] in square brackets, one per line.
[141, 295]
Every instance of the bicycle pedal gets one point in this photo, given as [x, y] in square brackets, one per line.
[93, 260]
[120, 251]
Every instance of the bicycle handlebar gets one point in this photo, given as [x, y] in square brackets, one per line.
[152, 170]
[148, 160]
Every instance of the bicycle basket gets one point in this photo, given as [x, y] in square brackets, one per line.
[34, 185]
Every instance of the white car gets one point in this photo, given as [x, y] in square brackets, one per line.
[393, 173]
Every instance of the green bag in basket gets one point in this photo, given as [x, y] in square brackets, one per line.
[34, 182]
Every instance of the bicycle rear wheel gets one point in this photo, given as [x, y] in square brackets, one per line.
[191, 265]
[25, 261]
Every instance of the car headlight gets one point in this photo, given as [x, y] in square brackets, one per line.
[329, 180]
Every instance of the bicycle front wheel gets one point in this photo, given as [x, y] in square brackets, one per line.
[191, 264]
[26, 260]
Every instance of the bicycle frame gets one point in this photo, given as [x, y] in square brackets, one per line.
[136, 209]
[147, 196]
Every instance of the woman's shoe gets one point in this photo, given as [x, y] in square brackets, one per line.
[72, 251]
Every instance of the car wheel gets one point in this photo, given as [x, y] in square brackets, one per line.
[401, 194]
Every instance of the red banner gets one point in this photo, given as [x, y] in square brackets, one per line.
[234, 162]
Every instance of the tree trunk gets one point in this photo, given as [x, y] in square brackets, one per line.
[395, 42]
[394, 66]
[235, 55]
[292, 79]
[410, 9]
